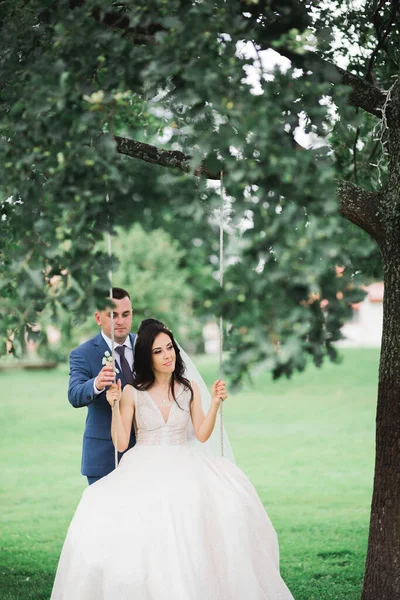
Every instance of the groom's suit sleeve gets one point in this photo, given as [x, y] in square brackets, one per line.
[80, 388]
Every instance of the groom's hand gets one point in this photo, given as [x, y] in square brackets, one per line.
[105, 378]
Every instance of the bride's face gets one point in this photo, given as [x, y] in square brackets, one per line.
[163, 354]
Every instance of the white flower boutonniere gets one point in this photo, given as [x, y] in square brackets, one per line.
[107, 360]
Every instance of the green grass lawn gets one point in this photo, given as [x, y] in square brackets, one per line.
[306, 444]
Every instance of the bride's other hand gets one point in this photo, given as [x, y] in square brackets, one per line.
[218, 391]
[113, 393]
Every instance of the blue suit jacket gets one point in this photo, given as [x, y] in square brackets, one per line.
[85, 365]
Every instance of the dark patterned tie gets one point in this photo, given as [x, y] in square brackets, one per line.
[127, 371]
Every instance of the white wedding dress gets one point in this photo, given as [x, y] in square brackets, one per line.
[170, 524]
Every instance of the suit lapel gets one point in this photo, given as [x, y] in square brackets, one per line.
[100, 344]
[132, 337]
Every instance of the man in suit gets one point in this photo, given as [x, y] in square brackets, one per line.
[89, 380]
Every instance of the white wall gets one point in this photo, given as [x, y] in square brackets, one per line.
[365, 329]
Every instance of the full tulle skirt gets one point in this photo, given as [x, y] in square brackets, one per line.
[170, 524]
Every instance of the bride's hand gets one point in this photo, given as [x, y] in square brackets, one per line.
[113, 393]
[218, 392]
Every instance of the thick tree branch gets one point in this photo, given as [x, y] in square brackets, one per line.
[117, 17]
[363, 94]
[158, 156]
[361, 208]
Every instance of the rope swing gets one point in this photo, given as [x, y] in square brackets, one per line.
[221, 321]
[110, 277]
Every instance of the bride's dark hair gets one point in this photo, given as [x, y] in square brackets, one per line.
[143, 377]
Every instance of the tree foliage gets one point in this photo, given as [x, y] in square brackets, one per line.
[81, 81]
[147, 264]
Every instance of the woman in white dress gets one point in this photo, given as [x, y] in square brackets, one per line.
[170, 523]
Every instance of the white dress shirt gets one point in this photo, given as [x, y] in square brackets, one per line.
[128, 355]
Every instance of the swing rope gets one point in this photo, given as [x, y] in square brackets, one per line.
[114, 408]
[221, 320]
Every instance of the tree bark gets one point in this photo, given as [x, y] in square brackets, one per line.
[382, 572]
[362, 94]
[361, 208]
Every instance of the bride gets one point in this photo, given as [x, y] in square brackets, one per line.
[171, 523]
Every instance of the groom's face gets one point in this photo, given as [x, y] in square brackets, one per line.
[122, 320]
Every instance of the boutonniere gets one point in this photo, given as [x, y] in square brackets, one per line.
[107, 360]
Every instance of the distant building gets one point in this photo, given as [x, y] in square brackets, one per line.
[211, 338]
[365, 328]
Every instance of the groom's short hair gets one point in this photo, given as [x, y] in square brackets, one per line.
[119, 293]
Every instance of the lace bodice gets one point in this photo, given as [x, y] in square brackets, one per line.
[150, 425]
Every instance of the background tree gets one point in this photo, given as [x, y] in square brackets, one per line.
[148, 263]
[88, 85]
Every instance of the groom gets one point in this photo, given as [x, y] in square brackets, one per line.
[89, 380]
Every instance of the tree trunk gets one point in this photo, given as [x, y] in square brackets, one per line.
[382, 573]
